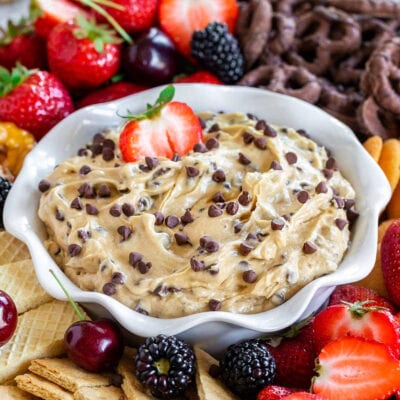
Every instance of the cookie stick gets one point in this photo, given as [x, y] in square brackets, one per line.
[374, 145]
[389, 161]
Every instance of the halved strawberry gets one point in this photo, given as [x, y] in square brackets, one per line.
[274, 392]
[303, 396]
[166, 128]
[180, 18]
[356, 369]
[356, 320]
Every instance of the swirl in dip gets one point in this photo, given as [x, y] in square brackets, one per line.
[240, 224]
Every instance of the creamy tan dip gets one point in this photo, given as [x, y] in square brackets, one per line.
[239, 225]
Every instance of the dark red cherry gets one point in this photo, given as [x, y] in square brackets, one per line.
[94, 345]
[8, 317]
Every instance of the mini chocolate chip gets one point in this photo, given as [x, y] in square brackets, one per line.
[238, 227]
[218, 176]
[340, 223]
[243, 159]
[109, 289]
[232, 208]
[134, 258]
[275, 165]
[187, 218]
[104, 190]
[244, 199]
[144, 168]
[159, 218]
[91, 209]
[74, 250]
[247, 137]
[128, 209]
[260, 125]
[171, 221]
[161, 290]
[214, 211]
[96, 149]
[211, 246]
[181, 238]
[331, 164]
[125, 232]
[252, 116]
[270, 132]
[214, 305]
[144, 267]
[59, 215]
[214, 128]
[109, 144]
[160, 172]
[98, 138]
[115, 210]
[277, 224]
[176, 157]
[261, 143]
[118, 278]
[245, 248]
[335, 192]
[200, 148]
[214, 371]
[321, 188]
[191, 172]
[77, 203]
[352, 215]
[108, 154]
[348, 203]
[84, 170]
[338, 201]
[151, 162]
[309, 247]
[328, 173]
[249, 276]
[302, 132]
[212, 143]
[197, 265]
[84, 235]
[287, 217]
[218, 198]
[302, 196]
[86, 191]
[82, 152]
[251, 236]
[291, 157]
[202, 123]
[44, 185]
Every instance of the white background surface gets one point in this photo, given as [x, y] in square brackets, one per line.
[13, 11]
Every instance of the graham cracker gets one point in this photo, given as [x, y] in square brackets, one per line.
[39, 333]
[42, 388]
[99, 393]
[66, 374]
[208, 387]
[18, 279]
[12, 249]
[14, 393]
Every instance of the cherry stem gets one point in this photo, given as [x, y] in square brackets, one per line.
[70, 299]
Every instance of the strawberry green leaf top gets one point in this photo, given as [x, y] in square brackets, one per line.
[10, 80]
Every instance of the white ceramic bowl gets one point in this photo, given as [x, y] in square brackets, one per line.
[212, 330]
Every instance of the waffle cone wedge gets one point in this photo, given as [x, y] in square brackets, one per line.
[19, 281]
[12, 249]
[39, 334]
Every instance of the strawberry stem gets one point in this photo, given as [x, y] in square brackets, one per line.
[111, 4]
[10, 80]
[70, 299]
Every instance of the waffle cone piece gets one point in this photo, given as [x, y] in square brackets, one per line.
[12, 249]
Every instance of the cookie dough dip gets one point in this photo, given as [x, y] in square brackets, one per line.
[239, 224]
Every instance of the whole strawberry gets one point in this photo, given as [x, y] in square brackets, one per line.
[199, 77]
[19, 43]
[83, 54]
[294, 356]
[390, 260]
[33, 100]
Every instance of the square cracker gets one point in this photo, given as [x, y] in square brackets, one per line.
[42, 388]
[66, 374]
[18, 279]
[39, 333]
[14, 393]
[99, 393]
[208, 387]
[12, 249]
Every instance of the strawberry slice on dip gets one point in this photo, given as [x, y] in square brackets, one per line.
[165, 129]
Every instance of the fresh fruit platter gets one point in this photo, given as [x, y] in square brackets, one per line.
[338, 55]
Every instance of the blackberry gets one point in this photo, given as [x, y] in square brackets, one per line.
[247, 367]
[5, 187]
[219, 52]
[165, 365]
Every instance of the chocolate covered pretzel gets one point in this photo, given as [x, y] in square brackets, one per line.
[376, 8]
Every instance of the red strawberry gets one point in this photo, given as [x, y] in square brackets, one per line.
[304, 396]
[83, 54]
[199, 77]
[110, 92]
[356, 369]
[167, 128]
[390, 260]
[295, 356]
[34, 101]
[133, 15]
[54, 12]
[353, 293]
[397, 395]
[372, 323]
[274, 392]
[180, 18]
[19, 43]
